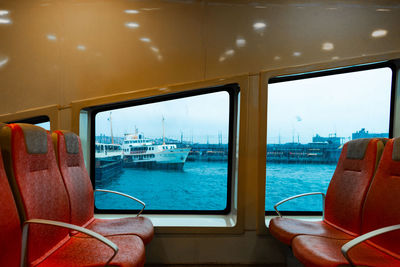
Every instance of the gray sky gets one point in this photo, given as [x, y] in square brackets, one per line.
[340, 104]
[297, 110]
[197, 116]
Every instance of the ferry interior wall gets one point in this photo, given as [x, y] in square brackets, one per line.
[210, 113]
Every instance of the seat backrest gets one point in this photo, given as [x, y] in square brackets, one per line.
[76, 178]
[350, 182]
[10, 226]
[37, 185]
[381, 206]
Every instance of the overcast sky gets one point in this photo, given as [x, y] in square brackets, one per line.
[338, 104]
[297, 110]
[197, 116]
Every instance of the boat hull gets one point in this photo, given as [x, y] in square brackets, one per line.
[107, 168]
[173, 159]
[154, 165]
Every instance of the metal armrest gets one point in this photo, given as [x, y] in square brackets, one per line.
[90, 233]
[125, 195]
[354, 242]
[301, 195]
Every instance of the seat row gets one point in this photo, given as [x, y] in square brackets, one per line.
[47, 206]
[361, 218]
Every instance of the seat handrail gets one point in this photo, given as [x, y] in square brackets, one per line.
[301, 195]
[125, 195]
[354, 242]
[25, 231]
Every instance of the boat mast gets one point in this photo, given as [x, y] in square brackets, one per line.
[112, 137]
[163, 131]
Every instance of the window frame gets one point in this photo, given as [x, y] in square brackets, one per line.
[233, 92]
[32, 120]
[392, 64]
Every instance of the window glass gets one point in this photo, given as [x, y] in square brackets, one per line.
[45, 125]
[42, 121]
[309, 120]
[171, 154]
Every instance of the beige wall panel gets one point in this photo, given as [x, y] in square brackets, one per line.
[295, 33]
[63, 51]
[240, 249]
[108, 51]
[29, 60]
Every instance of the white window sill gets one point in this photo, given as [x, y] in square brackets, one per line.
[182, 220]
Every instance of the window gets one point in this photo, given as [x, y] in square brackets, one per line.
[42, 121]
[310, 117]
[174, 152]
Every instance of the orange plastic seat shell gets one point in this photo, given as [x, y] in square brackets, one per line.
[379, 210]
[285, 229]
[88, 252]
[344, 200]
[10, 228]
[313, 251]
[41, 194]
[80, 192]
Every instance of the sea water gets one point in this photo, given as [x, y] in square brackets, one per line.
[203, 185]
[285, 180]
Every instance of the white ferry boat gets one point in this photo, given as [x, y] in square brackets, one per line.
[143, 152]
[108, 160]
[108, 151]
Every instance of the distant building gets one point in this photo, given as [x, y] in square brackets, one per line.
[332, 139]
[365, 134]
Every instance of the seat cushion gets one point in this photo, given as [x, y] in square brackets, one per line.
[285, 229]
[90, 252]
[140, 226]
[322, 251]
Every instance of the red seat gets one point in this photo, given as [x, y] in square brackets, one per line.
[344, 198]
[80, 192]
[322, 251]
[10, 227]
[39, 192]
[379, 210]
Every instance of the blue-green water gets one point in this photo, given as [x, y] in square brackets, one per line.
[203, 186]
[199, 186]
[285, 180]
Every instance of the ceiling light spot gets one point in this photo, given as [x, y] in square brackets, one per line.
[327, 46]
[5, 21]
[240, 42]
[4, 12]
[131, 11]
[259, 25]
[277, 58]
[3, 61]
[81, 47]
[379, 33]
[51, 37]
[132, 25]
[230, 52]
[155, 49]
[145, 39]
[296, 54]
